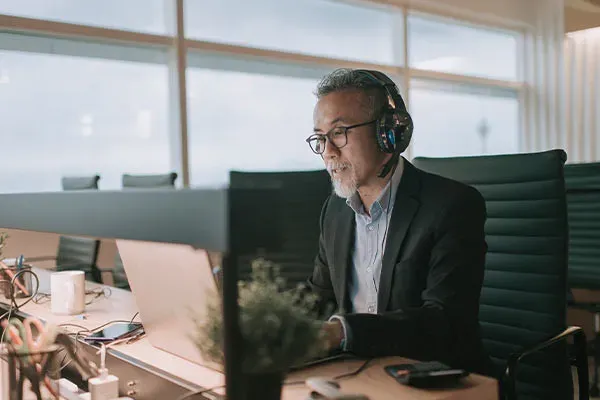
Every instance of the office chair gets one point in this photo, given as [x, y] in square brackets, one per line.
[290, 234]
[139, 182]
[149, 181]
[583, 204]
[524, 296]
[80, 182]
[79, 253]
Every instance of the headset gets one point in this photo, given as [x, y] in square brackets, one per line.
[394, 126]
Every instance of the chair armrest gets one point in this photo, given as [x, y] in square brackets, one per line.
[589, 306]
[580, 361]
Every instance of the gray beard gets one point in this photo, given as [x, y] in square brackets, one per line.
[344, 190]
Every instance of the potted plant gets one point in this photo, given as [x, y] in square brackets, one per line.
[278, 330]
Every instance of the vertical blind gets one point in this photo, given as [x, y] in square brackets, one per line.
[582, 87]
[544, 101]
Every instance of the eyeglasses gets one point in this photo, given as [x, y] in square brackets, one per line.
[337, 136]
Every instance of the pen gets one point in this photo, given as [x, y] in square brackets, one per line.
[19, 262]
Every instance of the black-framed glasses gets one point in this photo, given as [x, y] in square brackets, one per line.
[337, 136]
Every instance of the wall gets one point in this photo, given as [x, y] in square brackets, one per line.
[45, 245]
[31, 245]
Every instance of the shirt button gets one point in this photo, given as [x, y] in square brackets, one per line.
[369, 269]
[371, 227]
[371, 309]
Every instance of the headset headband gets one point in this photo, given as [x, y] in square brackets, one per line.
[394, 97]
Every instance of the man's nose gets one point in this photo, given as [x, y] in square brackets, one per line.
[330, 150]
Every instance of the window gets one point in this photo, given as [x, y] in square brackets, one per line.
[458, 123]
[314, 27]
[436, 45]
[135, 15]
[62, 115]
[248, 121]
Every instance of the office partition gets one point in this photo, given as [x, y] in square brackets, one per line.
[203, 218]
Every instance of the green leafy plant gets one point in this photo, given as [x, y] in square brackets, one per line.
[278, 328]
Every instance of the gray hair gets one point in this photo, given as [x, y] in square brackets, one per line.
[350, 79]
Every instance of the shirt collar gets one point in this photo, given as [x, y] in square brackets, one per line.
[384, 198]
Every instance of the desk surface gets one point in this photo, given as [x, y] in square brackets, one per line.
[372, 381]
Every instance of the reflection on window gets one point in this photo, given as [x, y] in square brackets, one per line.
[316, 27]
[248, 122]
[440, 46]
[134, 15]
[461, 124]
[63, 115]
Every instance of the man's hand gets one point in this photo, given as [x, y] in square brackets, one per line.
[333, 333]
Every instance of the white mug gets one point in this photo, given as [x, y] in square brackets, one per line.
[67, 292]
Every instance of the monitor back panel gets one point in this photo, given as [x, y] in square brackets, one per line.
[172, 284]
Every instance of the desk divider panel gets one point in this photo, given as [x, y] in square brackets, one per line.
[203, 218]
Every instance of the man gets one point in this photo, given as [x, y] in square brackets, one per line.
[401, 251]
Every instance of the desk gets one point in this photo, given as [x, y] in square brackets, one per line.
[121, 306]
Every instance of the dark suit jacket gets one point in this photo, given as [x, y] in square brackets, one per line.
[431, 276]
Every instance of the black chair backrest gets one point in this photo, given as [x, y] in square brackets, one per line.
[583, 204]
[79, 253]
[149, 181]
[139, 182]
[119, 276]
[291, 218]
[523, 299]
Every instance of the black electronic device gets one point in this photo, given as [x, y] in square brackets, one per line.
[431, 374]
[116, 331]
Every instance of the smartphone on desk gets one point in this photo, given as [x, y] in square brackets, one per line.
[116, 331]
[431, 374]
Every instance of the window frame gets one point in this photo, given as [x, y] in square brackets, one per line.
[179, 52]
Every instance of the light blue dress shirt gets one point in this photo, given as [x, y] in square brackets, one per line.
[370, 236]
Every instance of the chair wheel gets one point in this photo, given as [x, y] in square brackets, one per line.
[594, 391]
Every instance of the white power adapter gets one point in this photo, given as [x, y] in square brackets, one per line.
[104, 386]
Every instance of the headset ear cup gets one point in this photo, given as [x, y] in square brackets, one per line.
[380, 134]
[403, 131]
[386, 132]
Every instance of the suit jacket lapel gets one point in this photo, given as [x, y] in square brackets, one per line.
[405, 208]
[343, 240]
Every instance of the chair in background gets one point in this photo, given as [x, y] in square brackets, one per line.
[149, 181]
[583, 204]
[139, 182]
[80, 182]
[79, 253]
[285, 222]
[524, 295]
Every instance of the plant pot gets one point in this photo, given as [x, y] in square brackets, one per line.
[263, 386]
